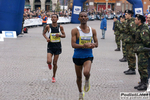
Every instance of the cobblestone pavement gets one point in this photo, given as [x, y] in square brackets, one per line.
[24, 74]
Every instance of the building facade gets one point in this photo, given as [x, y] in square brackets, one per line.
[122, 5]
[115, 5]
[146, 6]
[47, 5]
[119, 5]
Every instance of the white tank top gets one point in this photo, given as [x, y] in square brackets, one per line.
[85, 37]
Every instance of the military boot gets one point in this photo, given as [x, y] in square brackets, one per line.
[139, 84]
[143, 85]
[118, 49]
[130, 72]
[123, 59]
[126, 71]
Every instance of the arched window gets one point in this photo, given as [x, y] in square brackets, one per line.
[37, 1]
[37, 4]
[48, 5]
[27, 1]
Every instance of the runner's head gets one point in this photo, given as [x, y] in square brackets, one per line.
[83, 18]
[54, 18]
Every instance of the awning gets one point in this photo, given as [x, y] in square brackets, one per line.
[27, 6]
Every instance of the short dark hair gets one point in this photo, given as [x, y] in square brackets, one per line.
[123, 16]
[140, 17]
[82, 12]
[55, 15]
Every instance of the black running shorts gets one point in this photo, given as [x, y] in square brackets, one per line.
[80, 61]
[54, 51]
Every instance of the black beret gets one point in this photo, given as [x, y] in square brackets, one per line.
[129, 11]
[122, 16]
[141, 17]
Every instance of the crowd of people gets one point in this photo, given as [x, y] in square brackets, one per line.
[109, 14]
[39, 13]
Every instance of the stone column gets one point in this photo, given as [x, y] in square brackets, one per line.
[32, 4]
[54, 2]
[43, 5]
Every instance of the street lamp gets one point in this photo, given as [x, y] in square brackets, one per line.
[63, 5]
[106, 5]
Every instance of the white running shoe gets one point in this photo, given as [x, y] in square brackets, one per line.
[81, 95]
[87, 86]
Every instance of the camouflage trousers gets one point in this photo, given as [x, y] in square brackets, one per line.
[117, 39]
[124, 51]
[131, 56]
[142, 65]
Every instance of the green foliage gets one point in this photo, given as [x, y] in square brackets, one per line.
[57, 9]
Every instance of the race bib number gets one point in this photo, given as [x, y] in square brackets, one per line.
[53, 37]
[85, 39]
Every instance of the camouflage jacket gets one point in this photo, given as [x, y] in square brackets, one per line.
[122, 28]
[142, 38]
[116, 28]
[130, 31]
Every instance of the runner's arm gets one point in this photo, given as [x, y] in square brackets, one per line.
[44, 33]
[63, 32]
[74, 38]
[95, 38]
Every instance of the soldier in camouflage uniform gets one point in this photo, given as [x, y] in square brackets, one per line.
[148, 20]
[129, 39]
[148, 68]
[122, 28]
[142, 40]
[116, 32]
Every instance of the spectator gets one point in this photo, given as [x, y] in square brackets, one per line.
[103, 26]
[44, 22]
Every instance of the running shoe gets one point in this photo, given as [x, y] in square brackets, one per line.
[81, 95]
[87, 86]
[50, 66]
[53, 80]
